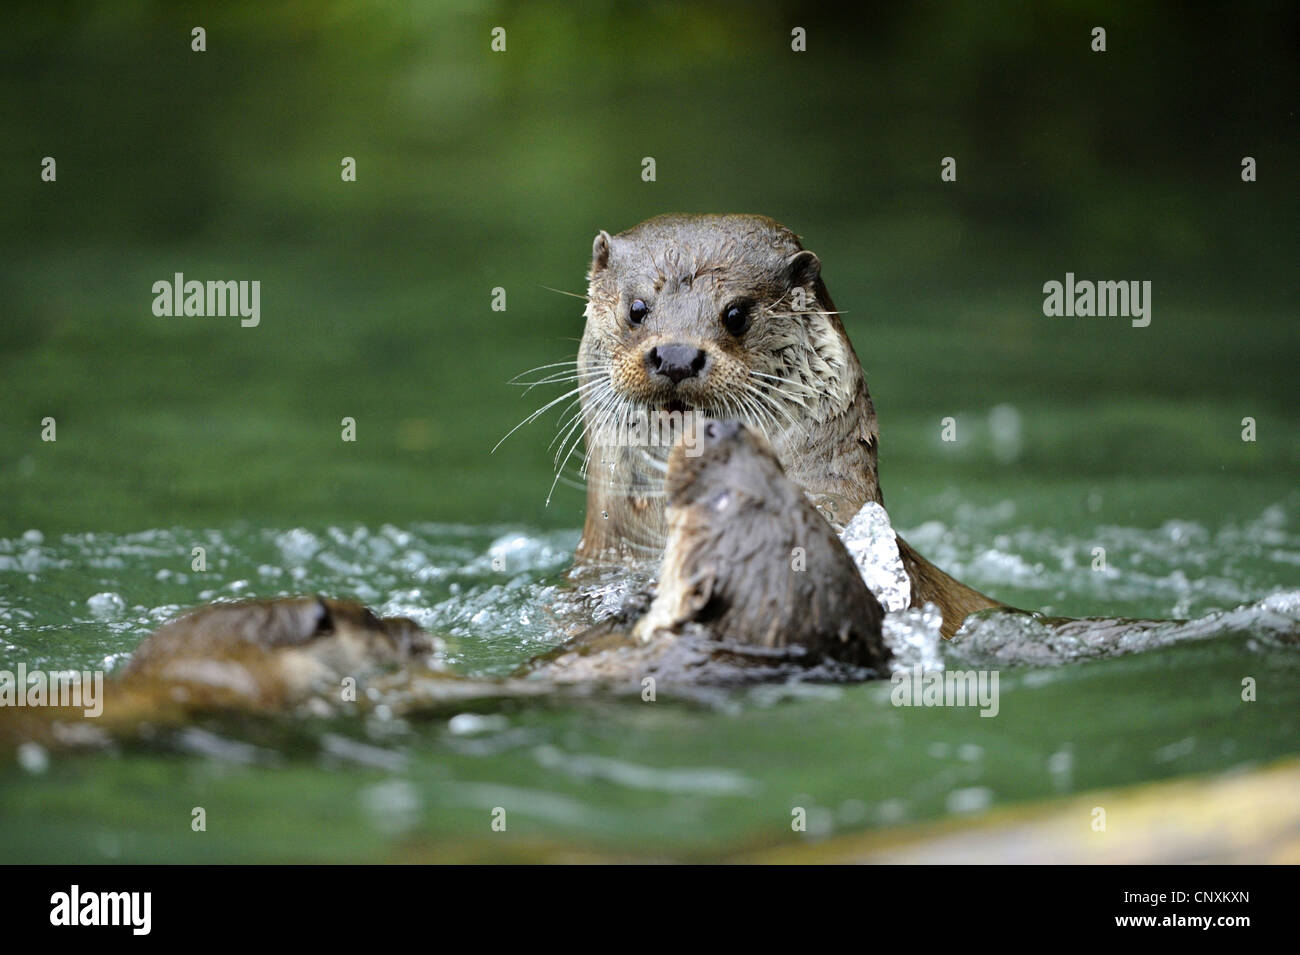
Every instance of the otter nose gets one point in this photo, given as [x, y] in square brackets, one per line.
[676, 362]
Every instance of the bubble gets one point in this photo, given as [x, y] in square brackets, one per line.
[298, 546]
[973, 799]
[1005, 430]
[471, 724]
[105, 605]
[392, 806]
[33, 758]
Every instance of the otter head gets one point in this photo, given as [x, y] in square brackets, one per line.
[724, 315]
[728, 463]
[276, 648]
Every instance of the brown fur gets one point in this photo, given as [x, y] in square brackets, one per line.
[250, 656]
[262, 655]
[818, 416]
[274, 651]
[753, 584]
[751, 559]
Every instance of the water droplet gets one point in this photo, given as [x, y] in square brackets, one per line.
[33, 758]
[974, 799]
[105, 605]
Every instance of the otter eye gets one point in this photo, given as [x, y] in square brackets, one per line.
[637, 312]
[736, 318]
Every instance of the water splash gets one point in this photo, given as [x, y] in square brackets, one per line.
[873, 545]
[500, 592]
[1015, 638]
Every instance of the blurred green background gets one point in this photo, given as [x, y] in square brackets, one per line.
[479, 169]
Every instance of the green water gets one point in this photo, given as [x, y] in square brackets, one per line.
[657, 780]
[478, 172]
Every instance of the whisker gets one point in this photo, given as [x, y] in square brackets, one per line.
[809, 311]
[608, 401]
[560, 291]
[770, 403]
[753, 407]
[792, 390]
[563, 378]
[555, 364]
[543, 409]
[568, 427]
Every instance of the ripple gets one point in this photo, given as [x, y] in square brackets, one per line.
[85, 600]
[701, 782]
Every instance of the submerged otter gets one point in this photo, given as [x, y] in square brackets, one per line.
[753, 584]
[273, 652]
[728, 316]
[266, 656]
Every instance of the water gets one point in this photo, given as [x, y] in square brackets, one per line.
[479, 171]
[612, 776]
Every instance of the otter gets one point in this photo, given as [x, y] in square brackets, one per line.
[273, 652]
[726, 316]
[754, 583]
[251, 656]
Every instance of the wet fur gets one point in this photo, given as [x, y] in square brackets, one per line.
[263, 656]
[817, 413]
[749, 558]
[272, 653]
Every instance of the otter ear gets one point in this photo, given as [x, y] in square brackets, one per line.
[296, 621]
[803, 269]
[600, 252]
